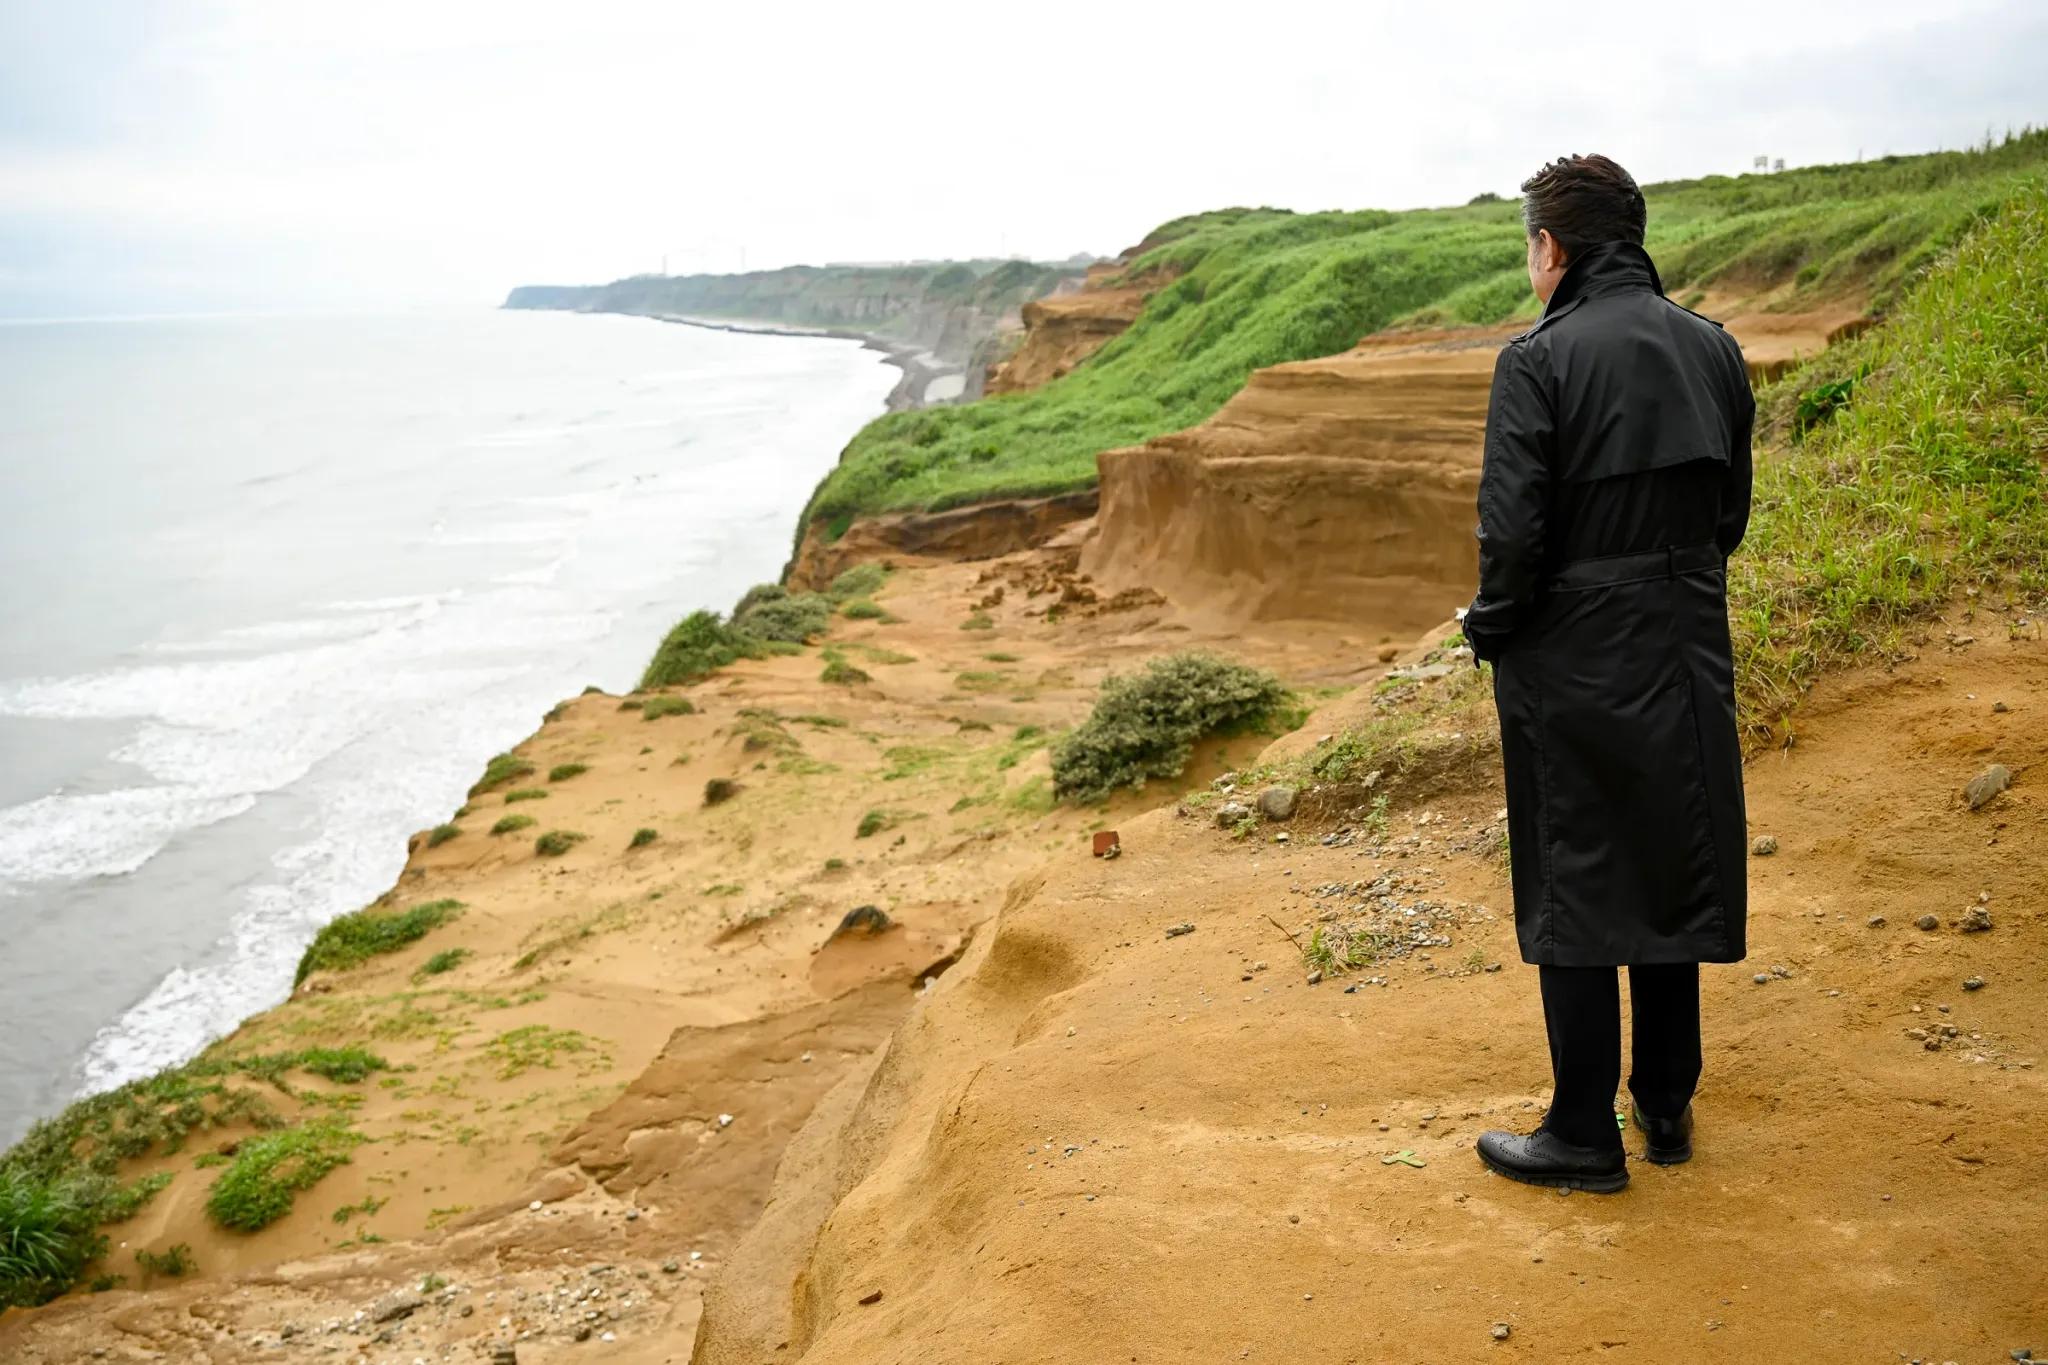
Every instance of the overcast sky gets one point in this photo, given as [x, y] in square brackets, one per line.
[173, 155]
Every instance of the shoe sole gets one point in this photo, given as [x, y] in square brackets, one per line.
[1668, 1156]
[1591, 1184]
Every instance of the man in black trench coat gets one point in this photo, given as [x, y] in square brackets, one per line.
[1616, 485]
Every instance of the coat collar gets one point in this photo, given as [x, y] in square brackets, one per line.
[1608, 268]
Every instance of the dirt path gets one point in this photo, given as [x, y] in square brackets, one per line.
[1096, 1142]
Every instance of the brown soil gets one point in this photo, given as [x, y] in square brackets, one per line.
[1063, 330]
[982, 531]
[617, 1001]
[1096, 1142]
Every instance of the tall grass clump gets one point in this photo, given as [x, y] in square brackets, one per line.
[1145, 724]
[1919, 476]
[355, 938]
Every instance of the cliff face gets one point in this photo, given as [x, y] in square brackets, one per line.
[942, 313]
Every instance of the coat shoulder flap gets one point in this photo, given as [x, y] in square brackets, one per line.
[1546, 320]
[1683, 309]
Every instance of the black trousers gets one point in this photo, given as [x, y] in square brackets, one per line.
[1582, 1013]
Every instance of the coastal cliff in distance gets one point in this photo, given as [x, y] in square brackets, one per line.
[940, 320]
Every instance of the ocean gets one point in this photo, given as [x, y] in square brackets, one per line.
[276, 588]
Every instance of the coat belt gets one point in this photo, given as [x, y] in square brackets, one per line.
[1606, 571]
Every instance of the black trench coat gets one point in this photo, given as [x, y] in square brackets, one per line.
[1616, 485]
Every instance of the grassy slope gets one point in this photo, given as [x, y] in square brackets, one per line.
[1258, 287]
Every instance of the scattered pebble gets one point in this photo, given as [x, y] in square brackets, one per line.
[1976, 919]
[1501, 1331]
[1927, 922]
[1176, 930]
[725, 1120]
[1973, 983]
[1762, 978]
[1764, 845]
[1315, 977]
[872, 1296]
[535, 1206]
[1999, 708]
[1877, 921]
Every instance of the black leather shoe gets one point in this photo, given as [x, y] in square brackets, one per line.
[1667, 1142]
[1543, 1158]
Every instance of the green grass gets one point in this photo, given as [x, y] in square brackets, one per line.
[526, 794]
[355, 938]
[658, 707]
[643, 837]
[858, 584]
[269, 1170]
[862, 609]
[1146, 724]
[173, 1262]
[501, 769]
[873, 823]
[447, 960]
[1918, 477]
[556, 842]
[1251, 288]
[441, 834]
[840, 672]
[512, 824]
[562, 772]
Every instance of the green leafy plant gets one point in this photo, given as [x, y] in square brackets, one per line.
[562, 772]
[353, 939]
[441, 834]
[840, 672]
[1145, 724]
[512, 824]
[657, 707]
[642, 838]
[270, 1169]
[556, 842]
[172, 1262]
[501, 769]
[447, 960]
[513, 798]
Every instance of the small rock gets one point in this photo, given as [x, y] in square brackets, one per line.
[872, 1296]
[504, 1354]
[1999, 708]
[582, 1332]
[1928, 922]
[1764, 845]
[1973, 983]
[1493, 966]
[535, 1206]
[1176, 930]
[1986, 785]
[468, 1310]
[632, 1215]
[1976, 920]
[671, 1266]
[1315, 977]
[1277, 803]
[1106, 844]
[392, 1307]
[871, 920]
[1877, 921]
[1230, 812]
[1762, 978]
[1501, 1331]
[609, 1336]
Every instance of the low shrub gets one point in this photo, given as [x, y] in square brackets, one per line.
[173, 1262]
[657, 707]
[873, 823]
[447, 960]
[770, 613]
[863, 609]
[512, 824]
[526, 794]
[49, 1234]
[501, 769]
[642, 838]
[840, 672]
[720, 789]
[270, 1169]
[441, 834]
[698, 645]
[1145, 724]
[355, 938]
[556, 842]
[860, 581]
[562, 772]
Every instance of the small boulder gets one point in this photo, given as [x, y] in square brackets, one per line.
[1976, 920]
[1277, 803]
[1973, 983]
[1106, 844]
[1986, 785]
[720, 789]
[1230, 813]
[392, 1307]
[1176, 930]
[1764, 845]
[869, 920]
[1927, 922]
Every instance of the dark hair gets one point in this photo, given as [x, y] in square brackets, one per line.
[1583, 201]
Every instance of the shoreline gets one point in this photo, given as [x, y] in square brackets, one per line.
[920, 367]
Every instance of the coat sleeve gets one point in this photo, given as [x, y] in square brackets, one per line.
[1734, 523]
[1514, 494]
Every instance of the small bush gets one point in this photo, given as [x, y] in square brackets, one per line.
[770, 613]
[172, 1262]
[447, 960]
[269, 1169]
[526, 794]
[720, 789]
[593, 691]
[862, 609]
[873, 823]
[657, 707]
[512, 824]
[342, 1065]
[698, 645]
[838, 671]
[979, 621]
[49, 1233]
[441, 834]
[630, 704]
[556, 842]
[355, 938]
[501, 769]
[862, 580]
[642, 838]
[1145, 724]
[562, 772]
[555, 713]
